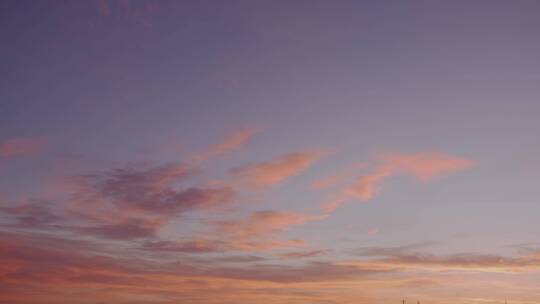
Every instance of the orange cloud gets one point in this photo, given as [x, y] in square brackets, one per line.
[266, 174]
[232, 142]
[21, 146]
[424, 166]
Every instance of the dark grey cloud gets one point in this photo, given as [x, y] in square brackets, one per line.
[154, 190]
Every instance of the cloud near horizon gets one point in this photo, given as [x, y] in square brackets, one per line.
[39, 261]
[457, 262]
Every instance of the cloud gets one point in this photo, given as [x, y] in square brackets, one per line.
[336, 178]
[196, 246]
[46, 216]
[154, 190]
[125, 230]
[230, 143]
[138, 200]
[140, 178]
[239, 259]
[260, 230]
[266, 174]
[461, 261]
[21, 146]
[327, 182]
[46, 260]
[410, 257]
[125, 203]
[392, 251]
[304, 254]
[311, 272]
[486, 262]
[35, 214]
[424, 166]
[224, 258]
[44, 267]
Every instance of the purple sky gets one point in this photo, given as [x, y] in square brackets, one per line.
[284, 151]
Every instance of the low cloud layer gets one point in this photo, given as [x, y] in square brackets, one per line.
[173, 231]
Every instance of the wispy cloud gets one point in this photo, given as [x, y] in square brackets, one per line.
[154, 190]
[34, 214]
[21, 146]
[392, 251]
[304, 254]
[230, 143]
[194, 246]
[461, 261]
[337, 178]
[128, 229]
[423, 166]
[266, 174]
[260, 231]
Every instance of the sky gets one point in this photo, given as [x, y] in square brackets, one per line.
[332, 152]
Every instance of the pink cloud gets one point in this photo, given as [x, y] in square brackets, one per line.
[425, 166]
[266, 174]
[21, 146]
[230, 143]
[260, 230]
[336, 178]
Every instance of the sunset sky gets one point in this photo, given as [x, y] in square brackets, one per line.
[269, 152]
